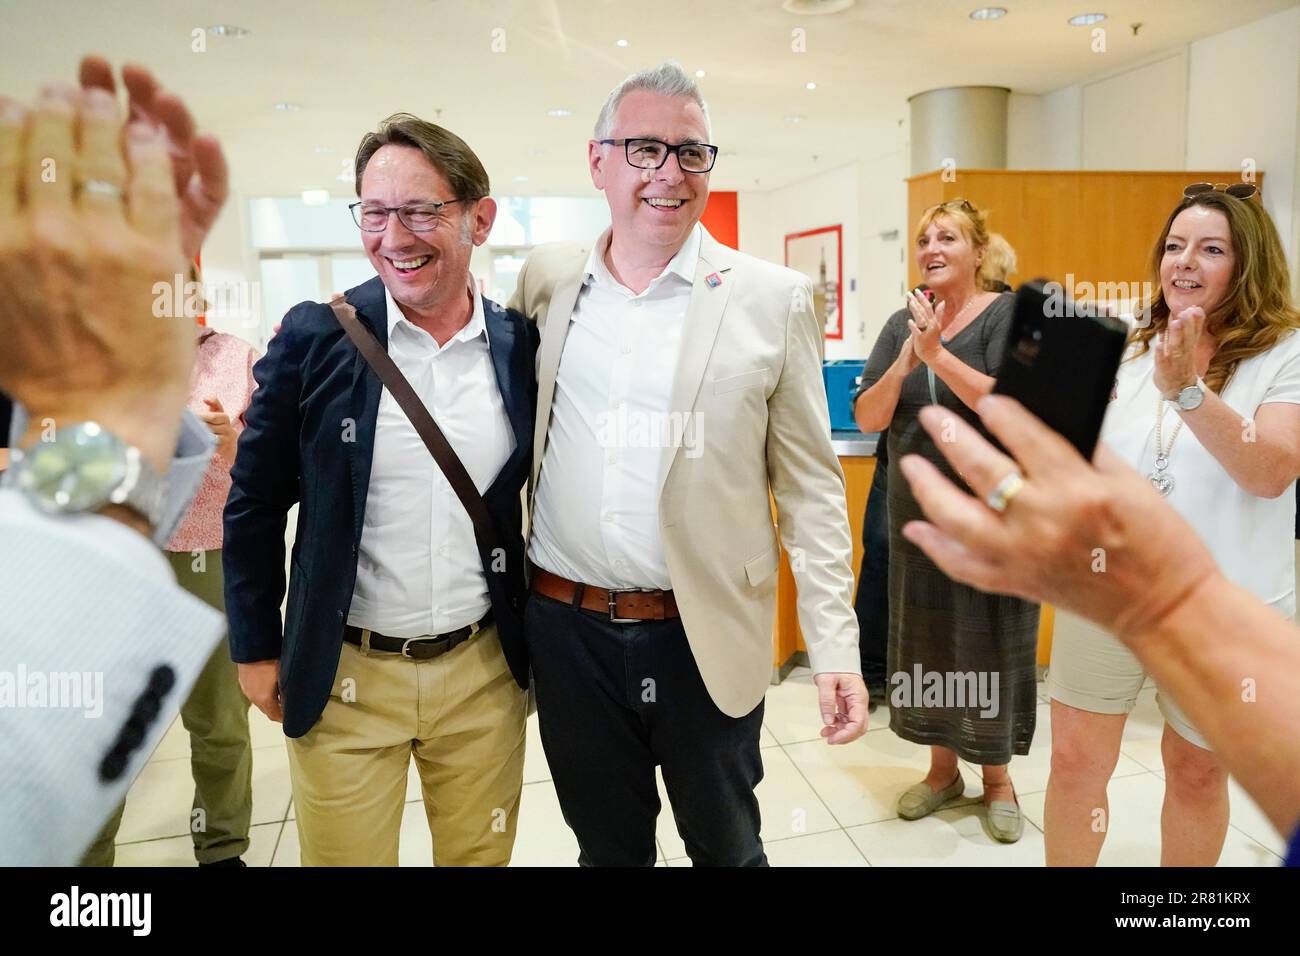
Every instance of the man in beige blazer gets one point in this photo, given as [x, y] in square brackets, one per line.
[678, 381]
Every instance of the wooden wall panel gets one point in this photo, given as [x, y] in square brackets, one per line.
[788, 637]
[1099, 226]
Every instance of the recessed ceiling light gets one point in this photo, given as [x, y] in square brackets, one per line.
[288, 107]
[988, 13]
[700, 74]
[521, 179]
[346, 176]
[228, 30]
[315, 197]
[321, 150]
[1086, 19]
[620, 43]
[815, 8]
[795, 118]
[810, 86]
[559, 112]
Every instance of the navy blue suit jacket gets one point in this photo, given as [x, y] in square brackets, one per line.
[309, 440]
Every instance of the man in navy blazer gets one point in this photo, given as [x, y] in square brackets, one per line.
[400, 638]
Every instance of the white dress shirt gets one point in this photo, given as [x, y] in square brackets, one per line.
[418, 568]
[596, 516]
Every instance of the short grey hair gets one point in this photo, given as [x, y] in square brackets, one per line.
[667, 79]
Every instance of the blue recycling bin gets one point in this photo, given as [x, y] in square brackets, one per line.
[841, 378]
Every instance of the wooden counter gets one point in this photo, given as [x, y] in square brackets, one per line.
[789, 649]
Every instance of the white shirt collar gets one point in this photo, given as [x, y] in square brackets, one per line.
[477, 324]
[681, 265]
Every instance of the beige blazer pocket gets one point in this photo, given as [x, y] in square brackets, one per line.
[764, 566]
[744, 380]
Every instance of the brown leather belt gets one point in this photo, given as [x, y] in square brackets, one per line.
[623, 607]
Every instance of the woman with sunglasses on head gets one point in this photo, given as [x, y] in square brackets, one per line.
[1207, 406]
[946, 351]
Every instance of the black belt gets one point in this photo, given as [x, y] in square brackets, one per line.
[418, 648]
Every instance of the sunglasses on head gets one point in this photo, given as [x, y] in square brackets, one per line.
[963, 204]
[1237, 190]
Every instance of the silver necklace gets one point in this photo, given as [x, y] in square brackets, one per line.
[1160, 479]
[962, 310]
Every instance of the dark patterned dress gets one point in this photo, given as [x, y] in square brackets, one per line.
[973, 652]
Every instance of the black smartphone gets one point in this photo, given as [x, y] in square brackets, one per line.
[1061, 361]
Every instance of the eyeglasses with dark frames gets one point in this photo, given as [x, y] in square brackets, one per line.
[1236, 190]
[415, 216]
[653, 153]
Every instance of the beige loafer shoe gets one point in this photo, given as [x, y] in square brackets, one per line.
[919, 800]
[1005, 820]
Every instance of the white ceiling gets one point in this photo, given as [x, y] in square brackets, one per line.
[349, 63]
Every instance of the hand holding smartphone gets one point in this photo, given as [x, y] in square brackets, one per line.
[1061, 361]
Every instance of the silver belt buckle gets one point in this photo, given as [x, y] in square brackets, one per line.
[474, 628]
[406, 646]
[613, 606]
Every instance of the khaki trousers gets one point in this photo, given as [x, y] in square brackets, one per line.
[461, 716]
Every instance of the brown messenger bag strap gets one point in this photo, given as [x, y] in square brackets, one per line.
[434, 440]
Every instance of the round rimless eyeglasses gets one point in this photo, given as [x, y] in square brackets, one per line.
[416, 216]
[1237, 190]
[653, 153]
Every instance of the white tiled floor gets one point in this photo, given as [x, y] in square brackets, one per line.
[821, 806]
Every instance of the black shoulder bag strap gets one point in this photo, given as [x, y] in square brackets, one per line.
[428, 430]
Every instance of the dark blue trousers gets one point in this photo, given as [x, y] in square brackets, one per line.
[614, 701]
[872, 600]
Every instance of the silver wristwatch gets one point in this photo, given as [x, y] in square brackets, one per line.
[1190, 397]
[83, 469]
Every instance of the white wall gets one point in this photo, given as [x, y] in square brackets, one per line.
[1026, 148]
[1137, 119]
[229, 264]
[1045, 132]
[882, 209]
[866, 199]
[1244, 91]
[1062, 133]
[1214, 104]
[764, 219]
